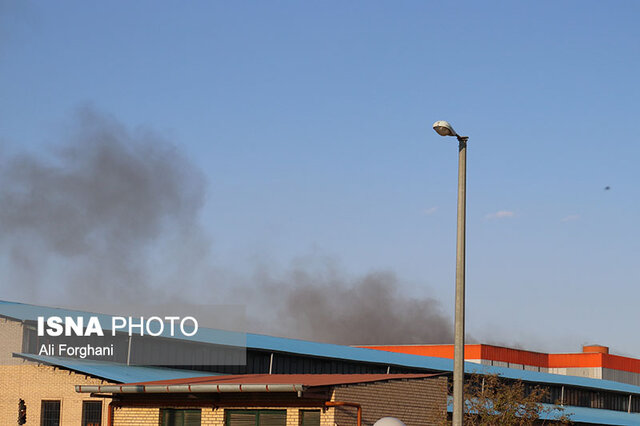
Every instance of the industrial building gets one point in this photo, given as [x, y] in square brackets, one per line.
[48, 384]
[279, 399]
[594, 361]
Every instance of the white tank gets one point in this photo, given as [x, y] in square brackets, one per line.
[389, 421]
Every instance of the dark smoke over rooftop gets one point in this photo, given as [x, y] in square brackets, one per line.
[111, 217]
[324, 304]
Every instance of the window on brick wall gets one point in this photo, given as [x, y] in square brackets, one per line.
[309, 417]
[255, 417]
[50, 413]
[174, 417]
[91, 413]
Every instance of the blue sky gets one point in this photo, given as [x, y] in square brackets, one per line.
[312, 123]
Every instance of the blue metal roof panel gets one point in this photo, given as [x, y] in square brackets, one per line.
[558, 379]
[420, 361]
[598, 416]
[594, 416]
[25, 312]
[327, 350]
[116, 372]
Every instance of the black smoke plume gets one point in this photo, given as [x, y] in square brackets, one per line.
[322, 303]
[89, 219]
[110, 217]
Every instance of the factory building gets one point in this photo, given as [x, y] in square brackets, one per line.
[279, 399]
[45, 386]
[48, 383]
[594, 361]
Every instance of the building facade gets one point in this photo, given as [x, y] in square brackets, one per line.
[594, 361]
[46, 383]
[46, 391]
[279, 400]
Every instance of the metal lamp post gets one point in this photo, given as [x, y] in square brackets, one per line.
[444, 129]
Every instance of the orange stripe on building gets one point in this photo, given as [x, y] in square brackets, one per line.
[593, 356]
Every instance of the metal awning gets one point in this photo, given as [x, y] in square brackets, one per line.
[195, 388]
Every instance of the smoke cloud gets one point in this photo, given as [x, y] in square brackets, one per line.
[317, 300]
[110, 217]
[89, 219]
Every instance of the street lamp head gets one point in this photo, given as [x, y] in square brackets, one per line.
[443, 128]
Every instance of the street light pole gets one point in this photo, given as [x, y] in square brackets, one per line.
[444, 129]
[458, 349]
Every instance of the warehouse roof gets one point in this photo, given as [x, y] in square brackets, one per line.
[25, 312]
[598, 416]
[303, 379]
[593, 356]
[114, 372]
[248, 383]
[595, 416]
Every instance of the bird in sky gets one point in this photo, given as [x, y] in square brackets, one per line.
[606, 188]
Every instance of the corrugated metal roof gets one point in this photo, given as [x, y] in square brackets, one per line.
[598, 416]
[247, 383]
[114, 372]
[589, 358]
[274, 379]
[327, 350]
[25, 312]
[557, 379]
[595, 416]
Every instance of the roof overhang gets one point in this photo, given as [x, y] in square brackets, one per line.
[196, 388]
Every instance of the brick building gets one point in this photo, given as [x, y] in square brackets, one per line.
[283, 399]
[45, 388]
[46, 384]
[48, 391]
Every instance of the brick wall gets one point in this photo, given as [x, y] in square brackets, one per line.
[10, 340]
[415, 402]
[149, 414]
[35, 383]
[144, 410]
[136, 416]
